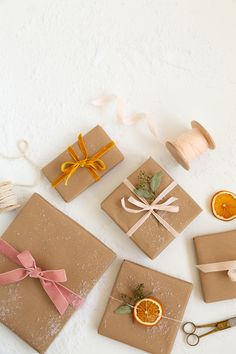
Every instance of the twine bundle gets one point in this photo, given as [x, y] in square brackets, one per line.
[8, 197]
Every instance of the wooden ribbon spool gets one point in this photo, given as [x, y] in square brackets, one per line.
[190, 145]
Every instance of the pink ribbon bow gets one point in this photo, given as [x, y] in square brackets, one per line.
[50, 280]
[151, 209]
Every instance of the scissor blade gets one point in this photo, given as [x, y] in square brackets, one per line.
[232, 321]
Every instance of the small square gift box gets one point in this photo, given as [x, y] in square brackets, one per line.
[48, 265]
[151, 208]
[145, 308]
[83, 163]
[216, 259]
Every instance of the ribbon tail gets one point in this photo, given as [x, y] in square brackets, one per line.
[61, 296]
[103, 150]
[73, 299]
[10, 252]
[120, 110]
[134, 211]
[167, 190]
[232, 274]
[168, 227]
[73, 154]
[103, 100]
[93, 173]
[13, 276]
[152, 127]
[57, 276]
[59, 179]
[82, 146]
[139, 223]
[55, 295]
[70, 172]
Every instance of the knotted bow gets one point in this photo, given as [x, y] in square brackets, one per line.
[92, 163]
[229, 266]
[151, 209]
[50, 280]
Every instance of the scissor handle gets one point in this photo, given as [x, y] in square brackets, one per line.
[192, 339]
[189, 328]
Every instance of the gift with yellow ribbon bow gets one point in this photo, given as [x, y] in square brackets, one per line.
[83, 163]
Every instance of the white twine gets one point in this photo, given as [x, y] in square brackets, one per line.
[8, 197]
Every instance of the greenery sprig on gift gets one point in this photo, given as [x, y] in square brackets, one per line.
[129, 301]
[148, 185]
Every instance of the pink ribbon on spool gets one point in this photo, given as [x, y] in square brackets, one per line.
[191, 144]
[229, 266]
[151, 209]
[50, 280]
[185, 148]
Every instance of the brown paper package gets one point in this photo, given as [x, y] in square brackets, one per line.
[172, 293]
[151, 237]
[56, 242]
[219, 247]
[95, 139]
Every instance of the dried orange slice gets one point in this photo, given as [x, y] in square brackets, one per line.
[148, 311]
[223, 205]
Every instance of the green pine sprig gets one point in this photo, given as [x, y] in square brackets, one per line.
[129, 301]
[148, 185]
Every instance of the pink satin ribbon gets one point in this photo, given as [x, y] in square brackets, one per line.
[127, 120]
[229, 266]
[50, 280]
[151, 209]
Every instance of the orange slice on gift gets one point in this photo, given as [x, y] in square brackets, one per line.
[223, 205]
[148, 311]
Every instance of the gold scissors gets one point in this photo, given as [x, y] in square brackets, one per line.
[189, 328]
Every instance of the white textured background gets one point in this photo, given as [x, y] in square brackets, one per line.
[175, 59]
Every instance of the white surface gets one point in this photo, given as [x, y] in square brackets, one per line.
[175, 59]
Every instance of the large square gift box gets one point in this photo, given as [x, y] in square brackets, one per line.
[152, 226]
[58, 262]
[83, 163]
[216, 259]
[172, 293]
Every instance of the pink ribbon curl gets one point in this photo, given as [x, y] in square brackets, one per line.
[151, 209]
[50, 280]
[229, 266]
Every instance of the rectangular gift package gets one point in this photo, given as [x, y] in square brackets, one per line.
[172, 293]
[55, 242]
[215, 248]
[151, 236]
[95, 140]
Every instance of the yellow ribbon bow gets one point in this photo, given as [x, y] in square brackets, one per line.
[92, 163]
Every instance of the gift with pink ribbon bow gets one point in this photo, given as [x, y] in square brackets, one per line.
[151, 220]
[48, 265]
[50, 280]
[216, 262]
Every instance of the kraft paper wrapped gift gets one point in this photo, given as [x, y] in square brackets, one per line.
[56, 242]
[151, 236]
[219, 251]
[95, 141]
[172, 293]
